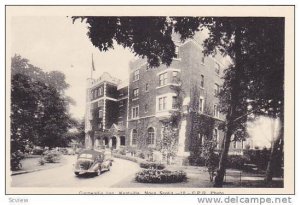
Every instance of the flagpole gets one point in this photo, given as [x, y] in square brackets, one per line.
[92, 67]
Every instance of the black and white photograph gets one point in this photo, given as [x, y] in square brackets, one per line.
[149, 100]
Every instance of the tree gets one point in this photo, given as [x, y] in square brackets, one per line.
[149, 37]
[80, 134]
[249, 84]
[38, 110]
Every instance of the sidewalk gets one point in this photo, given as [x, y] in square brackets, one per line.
[198, 177]
[31, 164]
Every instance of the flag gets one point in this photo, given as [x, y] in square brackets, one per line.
[93, 66]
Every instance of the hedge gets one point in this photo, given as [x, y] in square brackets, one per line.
[152, 165]
[160, 176]
[133, 159]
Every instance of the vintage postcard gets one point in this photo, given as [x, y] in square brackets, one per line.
[150, 100]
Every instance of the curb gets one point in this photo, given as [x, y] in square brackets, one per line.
[33, 170]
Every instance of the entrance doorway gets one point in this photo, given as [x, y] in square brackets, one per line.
[114, 142]
[105, 140]
[122, 140]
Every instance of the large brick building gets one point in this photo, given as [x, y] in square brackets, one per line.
[132, 114]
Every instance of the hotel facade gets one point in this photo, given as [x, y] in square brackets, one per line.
[131, 115]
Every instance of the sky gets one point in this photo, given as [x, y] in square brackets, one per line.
[55, 43]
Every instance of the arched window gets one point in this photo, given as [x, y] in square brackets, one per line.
[133, 137]
[150, 138]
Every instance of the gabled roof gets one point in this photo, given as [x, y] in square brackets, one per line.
[115, 127]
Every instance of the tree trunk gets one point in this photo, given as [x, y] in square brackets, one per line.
[223, 160]
[276, 151]
[231, 115]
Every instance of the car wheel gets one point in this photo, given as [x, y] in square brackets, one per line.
[76, 173]
[99, 172]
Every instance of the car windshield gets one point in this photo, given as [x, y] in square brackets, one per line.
[89, 156]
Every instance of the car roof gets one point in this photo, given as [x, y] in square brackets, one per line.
[92, 152]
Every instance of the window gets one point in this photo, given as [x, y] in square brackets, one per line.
[150, 138]
[136, 75]
[163, 78]
[135, 93]
[121, 103]
[216, 111]
[146, 107]
[176, 52]
[201, 104]
[175, 77]
[216, 136]
[202, 81]
[234, 144]
[217, 68]
[135, 112]
[174, 102]
[100, 103]
[100, 91]
[96, 93]
[100, 112]
[202, 138]
[162, 103]
[93, 94]
[216, 89]
[147, 87]
[134, 137]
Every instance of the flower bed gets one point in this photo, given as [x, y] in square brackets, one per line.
[152, 165]
[160, 176]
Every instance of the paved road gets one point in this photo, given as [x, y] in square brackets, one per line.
[64, 177]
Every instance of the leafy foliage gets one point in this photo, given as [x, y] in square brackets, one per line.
[39, 109]
[168, 144]
[52, 156]
[149, 37]
[152, 165]
[160, 176]
[254, 81]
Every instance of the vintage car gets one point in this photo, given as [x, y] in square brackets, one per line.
[91, 161]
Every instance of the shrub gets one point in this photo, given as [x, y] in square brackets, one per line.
[37, 151]
[41, 161]
[122, 152]
[160, 176]
[195, 160]
[258, 157]
[15, 160]
[141, 155]
[158, 166]
[52, 156]
[236, 161]
[133, 159]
